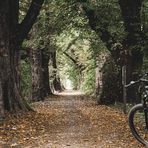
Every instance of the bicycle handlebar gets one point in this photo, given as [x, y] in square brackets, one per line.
[132, 83]
[138, 81]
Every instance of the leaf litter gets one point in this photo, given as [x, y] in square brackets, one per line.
[67, 122]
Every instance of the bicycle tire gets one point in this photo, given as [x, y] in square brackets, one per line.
[131, 115]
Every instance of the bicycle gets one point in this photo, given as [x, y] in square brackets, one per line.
[138, 114]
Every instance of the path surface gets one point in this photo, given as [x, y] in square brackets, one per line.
[75, 121]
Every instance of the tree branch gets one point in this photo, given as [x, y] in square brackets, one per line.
[29, 19]
[80, 66]
[72, 59]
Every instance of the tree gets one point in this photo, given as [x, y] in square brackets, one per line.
[37, 75]
[105, 19]
[133, 43]
[45, 69]
[56, 83]
[11, 37]
[39, 43]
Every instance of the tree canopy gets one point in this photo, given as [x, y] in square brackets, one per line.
[51, 42]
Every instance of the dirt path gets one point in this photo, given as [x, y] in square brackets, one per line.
[76, 122]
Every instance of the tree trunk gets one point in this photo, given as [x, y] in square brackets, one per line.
[133, 43]
[11, 37]
[37, 75]
[46, 87]
[97, 86]
[111, 89]
[57, 84]
[10, 98]
[4, 53]
[56, 79]
[1, 102]
[133, 68]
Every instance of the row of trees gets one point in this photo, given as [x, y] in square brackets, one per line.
[120, 26]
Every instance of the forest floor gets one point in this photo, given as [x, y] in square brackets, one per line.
[68, 120]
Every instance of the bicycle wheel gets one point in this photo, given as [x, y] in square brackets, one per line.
[137, 124]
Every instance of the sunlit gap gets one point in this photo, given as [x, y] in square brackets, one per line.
[68, 84]
[70, 88]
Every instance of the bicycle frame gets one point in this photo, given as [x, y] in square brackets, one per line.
[142, 108]
[144, 98]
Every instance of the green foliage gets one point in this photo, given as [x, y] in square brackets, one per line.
[67, 70]
[81, 70]
[107, 17]
[72, 73]
[55, 31]
[24, 5]
[40, 34]
[88, 85]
